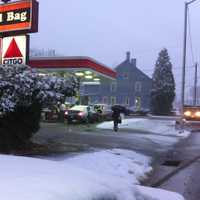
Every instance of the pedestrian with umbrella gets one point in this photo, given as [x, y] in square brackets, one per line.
[117, 109]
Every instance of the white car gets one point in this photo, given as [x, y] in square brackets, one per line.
[81, 113]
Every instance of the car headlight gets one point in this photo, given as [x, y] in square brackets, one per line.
[197, 114]
[187, 113]
[81, 114]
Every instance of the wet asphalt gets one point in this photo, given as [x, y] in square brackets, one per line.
[181, 172]
[91, 138]
[187, 180]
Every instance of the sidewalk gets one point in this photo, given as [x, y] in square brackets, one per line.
[187, 177]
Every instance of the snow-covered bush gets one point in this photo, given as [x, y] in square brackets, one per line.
[23, 93]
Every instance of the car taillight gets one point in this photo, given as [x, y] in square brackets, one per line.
[66, 113]
[197, 114]
[80, 114]
[187, 113]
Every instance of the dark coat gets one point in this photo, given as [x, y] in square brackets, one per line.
[115, 115]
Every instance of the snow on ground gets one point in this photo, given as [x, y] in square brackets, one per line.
[108, 175]
[154, 193]
[158, 131]
[124, 164]
[166, 141]
[159, 127]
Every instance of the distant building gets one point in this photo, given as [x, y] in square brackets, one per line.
[131, 88]
[42, 53]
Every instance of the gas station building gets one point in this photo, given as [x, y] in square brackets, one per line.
[89, 71]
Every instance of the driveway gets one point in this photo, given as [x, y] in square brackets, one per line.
[88, 137]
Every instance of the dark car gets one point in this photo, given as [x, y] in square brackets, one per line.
[50, 114]
[104, 111]
[81, 113]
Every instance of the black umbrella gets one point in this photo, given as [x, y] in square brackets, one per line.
[118, 108]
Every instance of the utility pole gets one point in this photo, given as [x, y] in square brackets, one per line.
[195, 86]
[184, 53]
[184, 57]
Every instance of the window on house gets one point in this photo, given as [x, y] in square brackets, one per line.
[127, 101]
[138, 86]
[105, 100]
[113, 87]
[113, 100]
[137, 103]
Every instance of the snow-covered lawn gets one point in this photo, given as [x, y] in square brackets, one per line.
[158, 131]
[104, 175]
[158, 127]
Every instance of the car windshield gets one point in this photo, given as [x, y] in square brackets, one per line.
[102, 106]
[79, 108]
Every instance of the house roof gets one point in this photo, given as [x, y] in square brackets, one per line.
[130, 64]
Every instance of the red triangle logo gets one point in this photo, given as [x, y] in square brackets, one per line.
[13, 50]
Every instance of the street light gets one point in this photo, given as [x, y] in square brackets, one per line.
[184, 53]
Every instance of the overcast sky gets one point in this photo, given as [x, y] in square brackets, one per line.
[106, 29]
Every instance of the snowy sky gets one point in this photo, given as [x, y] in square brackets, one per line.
[106, 29]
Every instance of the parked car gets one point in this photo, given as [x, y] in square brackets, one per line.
[81, 113]
[104, 110]
[50, 114]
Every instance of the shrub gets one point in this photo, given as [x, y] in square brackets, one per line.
[23, 93]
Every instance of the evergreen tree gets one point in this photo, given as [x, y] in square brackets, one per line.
[163, 88]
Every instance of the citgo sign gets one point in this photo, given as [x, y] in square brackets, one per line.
[14, 50]
[19, 17]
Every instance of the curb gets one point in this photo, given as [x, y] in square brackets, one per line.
[161, 117]
[177, 170]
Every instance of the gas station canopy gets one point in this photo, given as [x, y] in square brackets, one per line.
[86, 68]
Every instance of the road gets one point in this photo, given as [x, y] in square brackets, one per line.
[155, 146]
[186, 181]
[187, 177]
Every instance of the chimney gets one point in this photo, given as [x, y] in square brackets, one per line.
[133, 62]
[128, 56]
